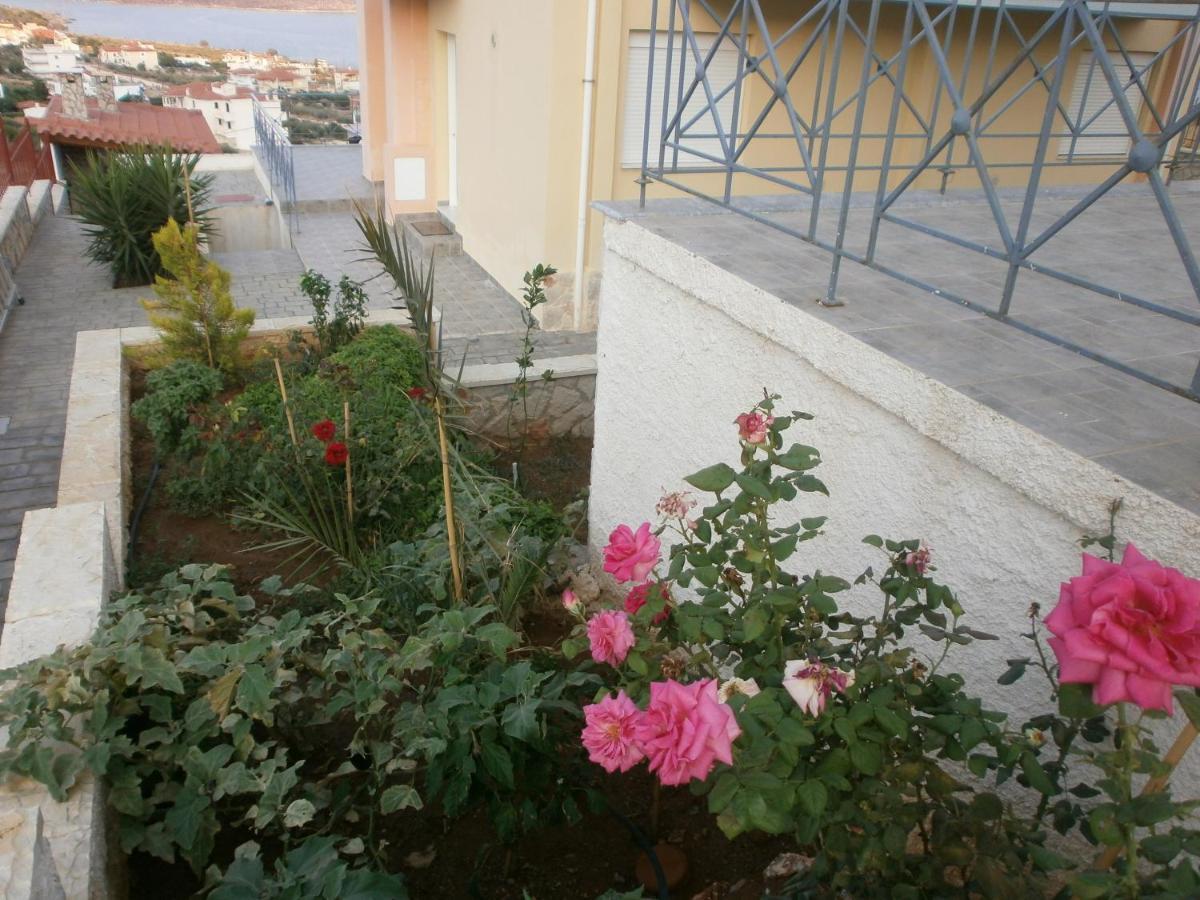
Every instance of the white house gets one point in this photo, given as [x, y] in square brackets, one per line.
[52, 59]
[228, 109]
[131, 54]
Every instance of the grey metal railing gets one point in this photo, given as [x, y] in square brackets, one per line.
[883, 95]
[274, 151]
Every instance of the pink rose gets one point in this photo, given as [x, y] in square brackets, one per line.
[631, 555]
[753, 427]
[640, 593]
[811, 684]
[675, 505]
[569, 601]
[608, 735]
[918, 560]
[1131, 629]
[610, 636]
[686, 730]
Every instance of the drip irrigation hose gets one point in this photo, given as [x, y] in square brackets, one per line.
[642, 841]
[141, 507]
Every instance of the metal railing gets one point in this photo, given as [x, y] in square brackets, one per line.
[274, 151]
[885, 95]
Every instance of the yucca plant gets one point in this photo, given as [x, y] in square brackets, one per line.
[124, 198]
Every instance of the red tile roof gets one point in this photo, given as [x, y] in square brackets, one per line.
[131, 124]
[203, 90]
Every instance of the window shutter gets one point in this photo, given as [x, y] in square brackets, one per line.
[722, 70]
[1108, 134]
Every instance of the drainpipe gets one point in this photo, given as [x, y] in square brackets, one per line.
[585, 162]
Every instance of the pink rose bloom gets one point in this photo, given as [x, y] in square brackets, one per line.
[610, 636]
[811, 684]
[1131, 629]
[686, 730]
[753, 426]
[569, 601]
[631, 555]
[608, 735]
[639, 594]
[918, 559]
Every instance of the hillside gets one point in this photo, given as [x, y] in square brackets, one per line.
[341, 6]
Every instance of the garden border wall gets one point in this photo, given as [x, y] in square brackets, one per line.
[903, 454]
[71, 558]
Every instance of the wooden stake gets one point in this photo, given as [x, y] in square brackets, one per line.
[448, 495]
[349, 480]
[287, 409]
[1182, 743]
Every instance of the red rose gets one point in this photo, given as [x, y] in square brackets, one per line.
[336, 454]
[324, 430]
[416, 393]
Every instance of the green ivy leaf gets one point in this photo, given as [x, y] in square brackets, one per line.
[520, 720]
[714, 479]
[254, 693]
[298, 813]
[498, 636]
[399, 796]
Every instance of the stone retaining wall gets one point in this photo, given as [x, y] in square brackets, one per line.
[560, 406]
[21, 208]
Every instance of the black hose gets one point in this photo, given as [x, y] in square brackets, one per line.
[141, 507]
[642, 841]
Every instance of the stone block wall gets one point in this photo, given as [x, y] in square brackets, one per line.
[561, 406]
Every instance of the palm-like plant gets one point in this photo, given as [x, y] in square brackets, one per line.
[123, 198]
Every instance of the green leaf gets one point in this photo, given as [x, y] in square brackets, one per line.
[186, 817]
[498, 763]
[298, 813]
[867, 758]
[1038, 779]
[753, 486]
[755, 623]
[713, 479]
[1190, 702]
[798, 457]
[1075, 701]
[812, 797]
[724, 789]
[148, 665]
[498, 636]
[254, 693]
[1016, 668]
[891, 721]
[399, 796]
[520, 720]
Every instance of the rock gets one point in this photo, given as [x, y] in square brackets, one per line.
[421, 859]
[786, 865]
[586, 585]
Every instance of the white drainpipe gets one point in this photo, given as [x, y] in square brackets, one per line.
[585, 162]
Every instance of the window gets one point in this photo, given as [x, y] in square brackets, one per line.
[1091, 98]
[722, 70]
[226, 107]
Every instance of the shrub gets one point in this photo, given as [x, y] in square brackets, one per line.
[334, 323]
[194, 312]
[124, 198]
[173, 393]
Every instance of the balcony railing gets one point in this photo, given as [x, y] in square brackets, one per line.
[274, 150]
[887, 98]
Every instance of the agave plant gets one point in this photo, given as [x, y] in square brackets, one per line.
[123, 198]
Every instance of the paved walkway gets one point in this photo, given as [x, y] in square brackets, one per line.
[64, 294]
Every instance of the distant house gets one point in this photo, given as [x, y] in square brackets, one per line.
[131, 54]
[281, 79]
[345, 80]
[52, 59]
[184, 60]
[228, 109]
[74, 123]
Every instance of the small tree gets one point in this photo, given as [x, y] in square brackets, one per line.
[194, 311]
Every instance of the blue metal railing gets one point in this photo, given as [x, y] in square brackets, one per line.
[991, 91]
[274, 151]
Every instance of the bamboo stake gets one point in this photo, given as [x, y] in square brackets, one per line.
[349, 480]
[1182, 743]
[287, 409]
[448, 495]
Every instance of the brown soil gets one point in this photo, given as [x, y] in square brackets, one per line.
[555, 469]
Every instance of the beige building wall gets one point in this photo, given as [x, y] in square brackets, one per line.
[519, 106]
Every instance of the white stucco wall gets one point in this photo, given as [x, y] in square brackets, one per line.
[684, 346]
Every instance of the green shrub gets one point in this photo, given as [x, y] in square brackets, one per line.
[194, 313]
[172, 394]
[123, 198]
[336, 319]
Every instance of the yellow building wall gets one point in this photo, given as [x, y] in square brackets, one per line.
[519, 99]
